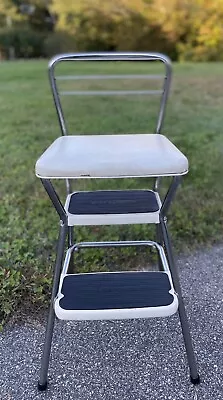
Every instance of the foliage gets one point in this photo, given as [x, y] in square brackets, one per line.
[24, 26]
[194, 26]
[184, 29]
[58, 42]
[9, 9]
[9, 292]
[110, 25]
[26, 42]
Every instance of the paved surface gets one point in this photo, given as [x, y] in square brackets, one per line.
[132, 360]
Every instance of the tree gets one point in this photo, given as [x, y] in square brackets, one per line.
[110, 25]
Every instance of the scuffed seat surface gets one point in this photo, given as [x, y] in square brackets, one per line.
[101, 156]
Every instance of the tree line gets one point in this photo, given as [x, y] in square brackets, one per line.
[183, 29]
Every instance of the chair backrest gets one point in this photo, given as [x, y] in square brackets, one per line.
[102, 56]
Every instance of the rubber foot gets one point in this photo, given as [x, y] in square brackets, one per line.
[195, 381]
[42, 387]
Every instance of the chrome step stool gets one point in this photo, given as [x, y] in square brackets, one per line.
[113, 295]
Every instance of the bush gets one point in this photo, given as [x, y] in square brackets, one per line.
[26, 42]
[10, 286]
[58, 42]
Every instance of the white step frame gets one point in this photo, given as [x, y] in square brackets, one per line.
[112, 219]
[115, 314]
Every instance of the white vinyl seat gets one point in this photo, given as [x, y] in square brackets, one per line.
[107, 156]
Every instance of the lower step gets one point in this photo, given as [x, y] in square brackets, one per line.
[115, 295]
[112, 207]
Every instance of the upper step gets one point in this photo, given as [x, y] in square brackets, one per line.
[111, 207]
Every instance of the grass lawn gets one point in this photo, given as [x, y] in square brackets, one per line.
[29, 224]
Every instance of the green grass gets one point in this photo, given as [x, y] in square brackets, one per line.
[29, 224]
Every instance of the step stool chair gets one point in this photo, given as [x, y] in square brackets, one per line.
[113, 295]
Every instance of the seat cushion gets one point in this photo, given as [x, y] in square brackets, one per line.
[118, 156]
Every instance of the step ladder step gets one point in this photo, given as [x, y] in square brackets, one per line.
[116, 295]
[108, 207]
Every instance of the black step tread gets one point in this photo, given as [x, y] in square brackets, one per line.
[113, 202]
[102, 291]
